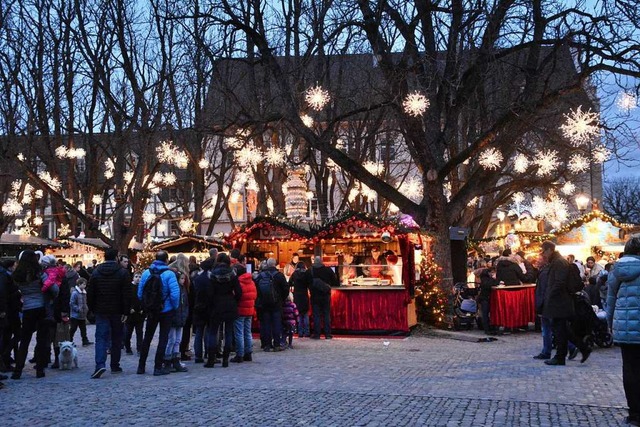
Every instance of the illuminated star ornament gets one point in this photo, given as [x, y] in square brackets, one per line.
[520, 163]
[581, 126]
[601, 154]
[627, 101]
[415, 104]
[578, 163]
[490, 159]
[317, 97]
[547, 161]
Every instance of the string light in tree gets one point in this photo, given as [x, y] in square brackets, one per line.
[415, 104]
[53, 182]
[547, 162]
[38, 221]
[627, 101]
[412, 189]
[601, 154]
[490, 159]
[581, 126]
[578, 163]
[20, 157]
[11, 207]
[317, 97]
[520, 163]
[169, 179]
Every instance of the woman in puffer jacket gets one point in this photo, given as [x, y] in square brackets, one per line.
[623, 313]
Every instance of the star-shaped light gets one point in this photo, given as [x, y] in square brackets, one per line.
[581, 126]
[578, 163]
[547, 161]
[520, 163]
[490, 159]
[568, 188]
[317, 97]
[415, 104]
[601, 154]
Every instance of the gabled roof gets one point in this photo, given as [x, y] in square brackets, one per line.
[190, 243]
[7, 239]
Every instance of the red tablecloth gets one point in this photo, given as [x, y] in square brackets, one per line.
[369, 310]
[513, 307]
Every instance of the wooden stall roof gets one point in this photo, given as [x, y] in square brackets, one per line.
[190, 243]
[7, 239]
[261, 228]
[351, 221]
[595, 227]
[90, 241]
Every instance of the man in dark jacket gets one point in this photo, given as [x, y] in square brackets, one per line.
[9, 315]
[109, 297]
[271, 319]
[558, 305]
[508, 271]
[320, 299]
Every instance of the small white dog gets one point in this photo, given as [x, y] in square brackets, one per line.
[68, 355]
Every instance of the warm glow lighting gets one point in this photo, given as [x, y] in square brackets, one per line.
[203, 163]
[581, 127]
[578, 163]
[627, 101]
[582, 201]
[501, 215]
[307, 120]
[490, 159]
[317, 97]
[520, 163]
[415, 104]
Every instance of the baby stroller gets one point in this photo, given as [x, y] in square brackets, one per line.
[465, 308]
[589, 325]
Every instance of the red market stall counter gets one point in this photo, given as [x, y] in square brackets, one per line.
[371, 310]
[513, 306]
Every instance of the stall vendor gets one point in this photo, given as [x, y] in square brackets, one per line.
[374, 265]
[348, 270]
[291, 267]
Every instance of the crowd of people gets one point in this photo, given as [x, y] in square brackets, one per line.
[213, 301]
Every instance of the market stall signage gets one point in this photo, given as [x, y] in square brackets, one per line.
[272, 233]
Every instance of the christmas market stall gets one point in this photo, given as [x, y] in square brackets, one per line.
[84, 249]
[12, 244]
[593, 234]
[375, 259]
[270, 237]
[190, 245]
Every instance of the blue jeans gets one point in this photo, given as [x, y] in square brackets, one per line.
[303, 325]
[242, 332]
[322, 310]
[108, 333]
[272, 320]
[173, 342]
[547, 337]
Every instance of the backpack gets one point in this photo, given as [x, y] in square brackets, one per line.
[266, 290]
[152, 301]
[574, 279]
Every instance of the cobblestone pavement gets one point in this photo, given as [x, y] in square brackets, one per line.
[448, 379]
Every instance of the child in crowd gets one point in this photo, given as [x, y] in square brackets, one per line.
[53, 276]
[289, 321]
[79, 310]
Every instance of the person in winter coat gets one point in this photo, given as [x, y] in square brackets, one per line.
[10, 306]
[29, 278]
[558, 305]
[172, 352]
[171, 298]
[79, 310]
[289, 321]
[270, 301]
[321, 301]
[508, 271]
[487, 282]
[135, 319]
[224, 293]
[301, 281]
[56, 274]
[246, 310]
[623, 314]
[201, 283]
[109, 297]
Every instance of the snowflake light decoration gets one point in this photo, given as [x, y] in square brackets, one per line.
[517, 197]
[353, 194]
[108, 174]
[53, 182]
[578, 163]
[547, 161]
[203, 164]
[20, 157]
[490, 159]
[128, 177]
[39, 194]
[186, 225]
[581, 127]
[374, 168]
[627, 101]
[61, 152]
[208, 212]
[412, 189]
[520, 163]
[148, 217]
[11, 207]
[170, 154]
[169, 179]
[38, 221]
[233, 142]
[415, 104]
[473, 202]
[154, 189]
[568, 188]
[601, 154]
[275, 156]
[307, 120]
[64, 230]
[317, 97]
[369, 193]
[96, 199]
[249, 157]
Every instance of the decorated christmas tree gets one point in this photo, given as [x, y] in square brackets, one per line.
[431, 300]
